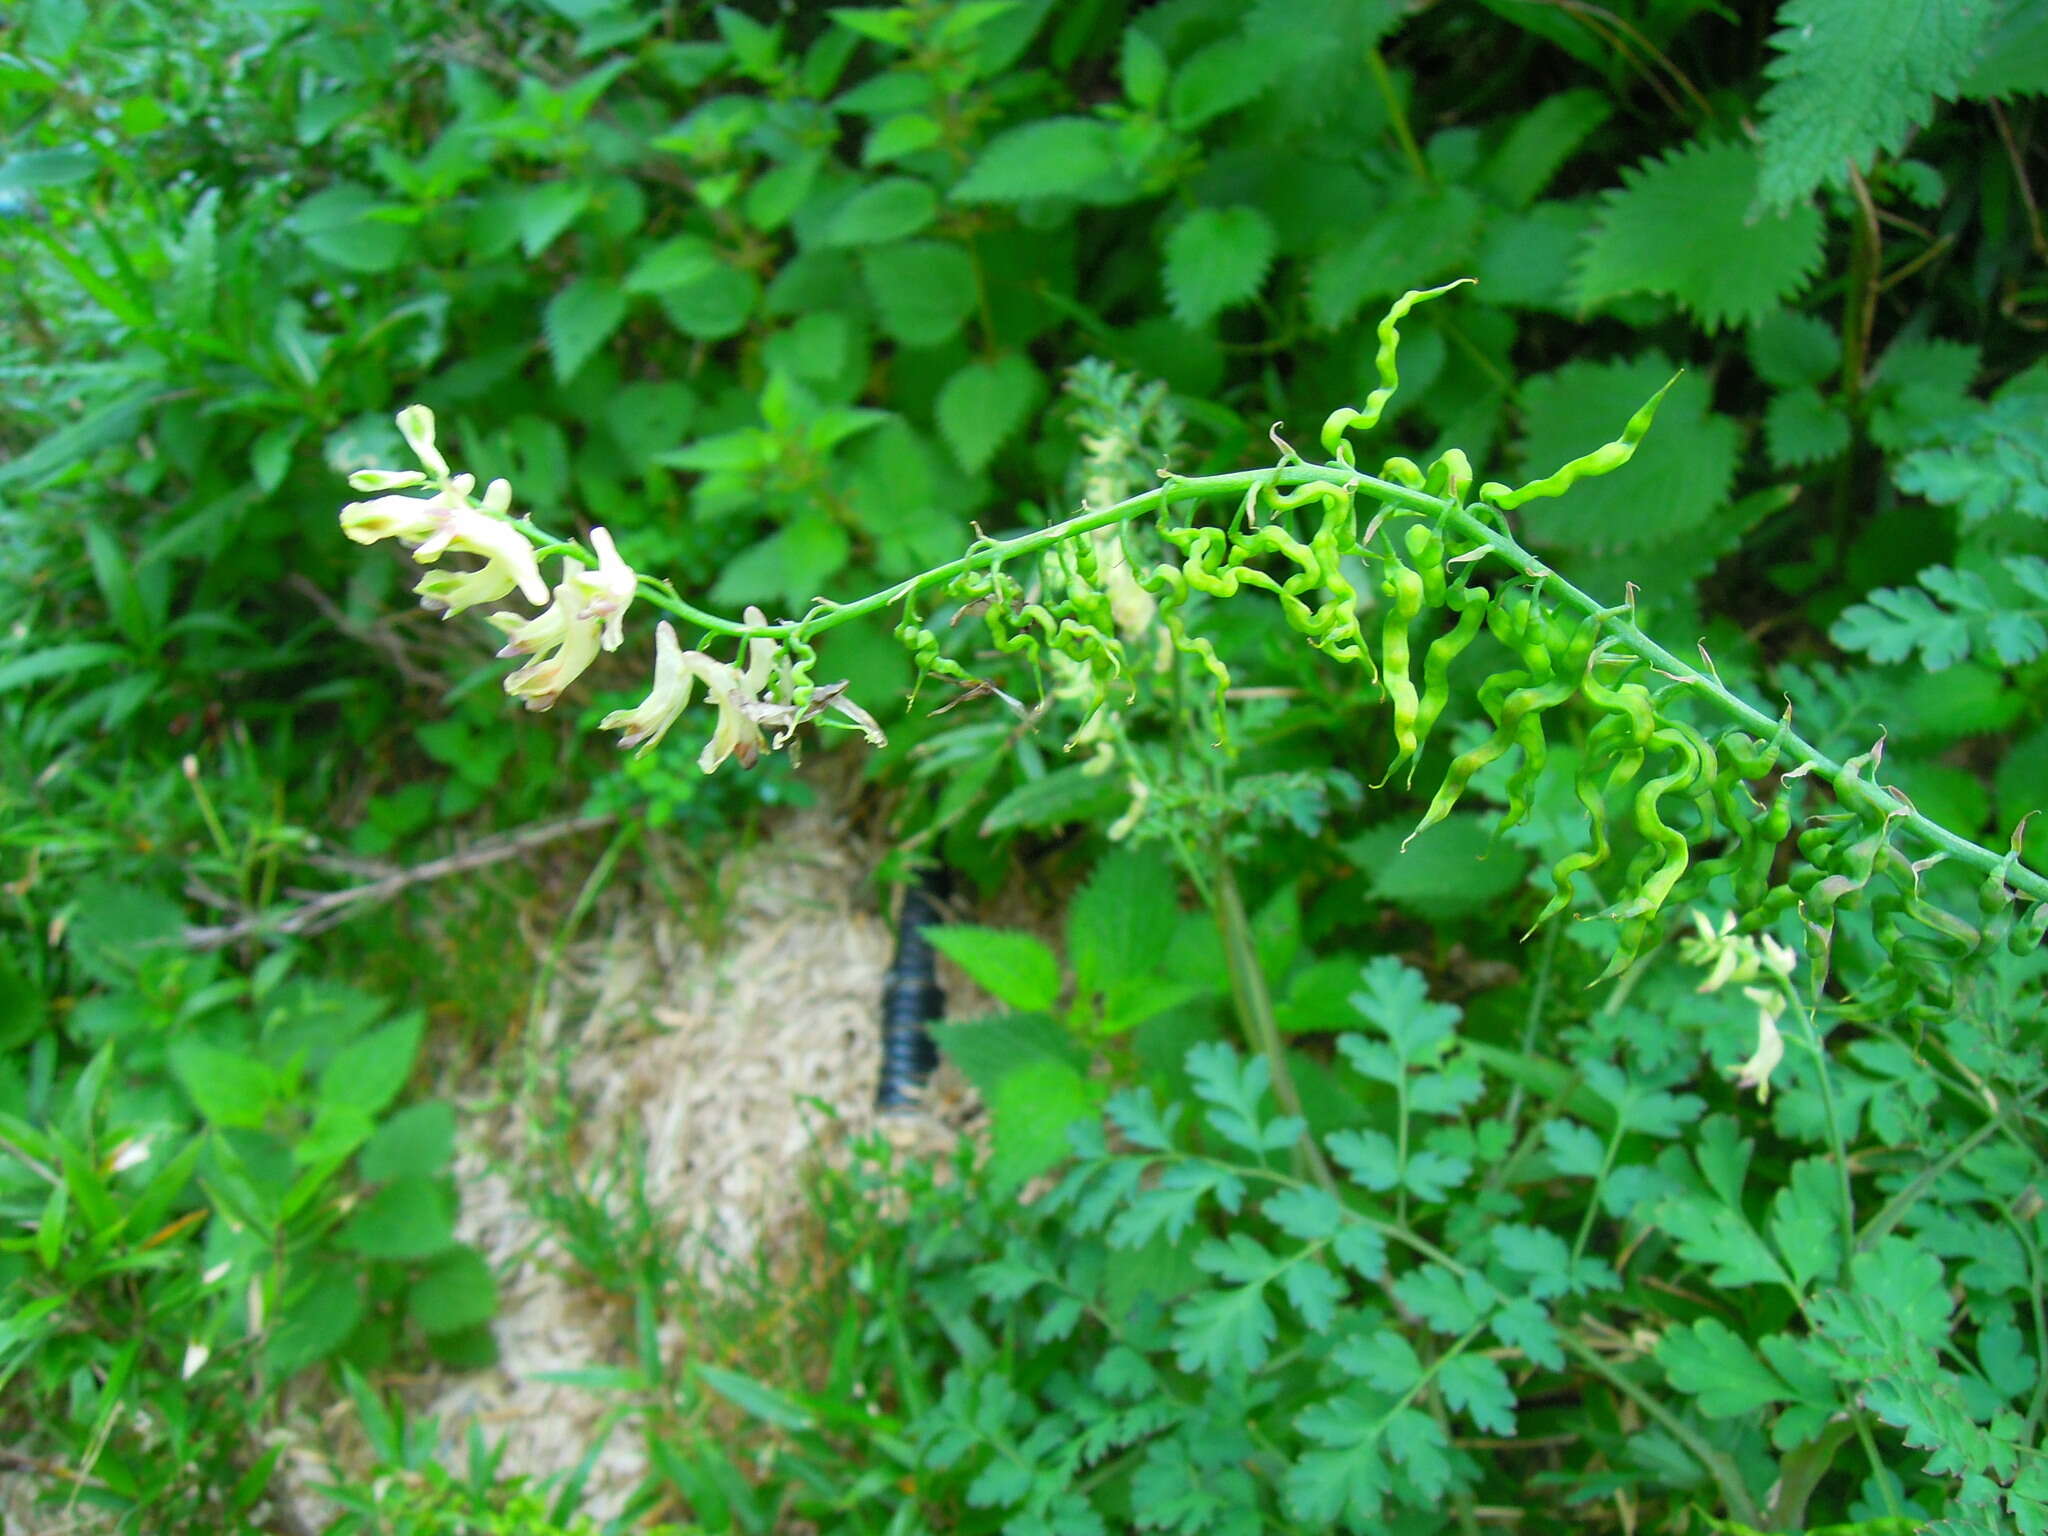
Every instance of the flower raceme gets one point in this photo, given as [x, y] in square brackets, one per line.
[583, 613]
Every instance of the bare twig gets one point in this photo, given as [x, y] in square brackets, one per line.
[323, 912]
[377, 637]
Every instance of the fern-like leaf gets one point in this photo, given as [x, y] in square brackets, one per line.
[1949, 616]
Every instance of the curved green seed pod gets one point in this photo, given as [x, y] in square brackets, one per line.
[1426, 552]
[1602, 460]
[1404, 587]
[1628, 703]
[1522, 704]
[1450, 476]
[1344, 418]
[2028, 932]
[1470, 604]
[1760, 852]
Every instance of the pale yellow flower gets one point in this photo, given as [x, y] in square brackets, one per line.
[416, 425]
[1770, 1044]
[647, 722]
[406, 518]
[562, 646]
[608, 590]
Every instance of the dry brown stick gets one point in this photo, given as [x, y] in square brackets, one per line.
[324, 911]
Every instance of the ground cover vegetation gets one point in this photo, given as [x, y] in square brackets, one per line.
[1318, 1197]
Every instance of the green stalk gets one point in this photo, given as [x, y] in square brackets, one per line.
[1255, 1012]
[1733, 1493]
[1853, 791]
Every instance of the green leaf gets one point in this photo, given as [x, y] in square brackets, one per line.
[983, 404]
[1348, 1478]
[367, 1074]
[884, 210]
[1801, 427]
[922, 289]
[1523, 1324]
[2013, 58]
[407, 1219]
[1679, 478]
[1456, 867]
[1476, 1387]
[1413, 239]
[1013, 967]
[1950, 615]
[1682, 226]
[456, 1291]
[1788, 348]
[761, 1402]
[352, 227]
[1540, 140]
[1057, 799]
[58, 661]
[1231, 1327]
[417, 1142]
[1709, 1361]
[1235, 1088]
[712, 306]
[1142, 68]
[1437, 1296]
[318, 1321]
[1123, 919]
[795, 564]
[545, 209]
[1222, 77]
[1394, 998]
[1370, 1157]
[579, 320]
[1806, 1226]
[228, 1088]
[1053, 157]
[988, 1050]
[1852, 79]
[1216, 257]
[47, 168]
[1032, 1108]
[677, 263]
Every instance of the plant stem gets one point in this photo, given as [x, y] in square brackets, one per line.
[1472, 522]
[1397, 115]
[1255, 1012]
[1718, 1466]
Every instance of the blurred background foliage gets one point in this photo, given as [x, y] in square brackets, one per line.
[785, 297]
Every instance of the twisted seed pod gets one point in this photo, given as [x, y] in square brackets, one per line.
[1404, 589]
[1470, 604]
[1344, 419]
[1526, 703]
[1605, 459]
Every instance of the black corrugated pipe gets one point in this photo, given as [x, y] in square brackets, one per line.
[911, 997]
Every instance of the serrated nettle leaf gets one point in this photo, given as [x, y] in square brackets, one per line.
[1142, 68]
[1853, 80]
[891, 208]
[922, 289]
[1540, 140]
[1685, 226]
[1013, 967]
[1215, 258]
[1803, 427]
[983, 404]
[1121, 924]
[1789, 348]
[1054, 157]
[579, 320]
[1221, 77]
[1417, 238]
